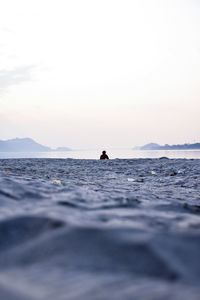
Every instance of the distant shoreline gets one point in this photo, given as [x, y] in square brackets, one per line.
[154, 146]
[27, 145]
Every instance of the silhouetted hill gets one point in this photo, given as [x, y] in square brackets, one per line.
[22, 145]
[150, 146]
[154, 146]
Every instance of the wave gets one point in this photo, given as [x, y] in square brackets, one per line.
[79, 229]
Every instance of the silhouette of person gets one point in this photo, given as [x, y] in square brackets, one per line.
[104, 155]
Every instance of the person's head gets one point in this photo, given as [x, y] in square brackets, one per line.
[104, 152]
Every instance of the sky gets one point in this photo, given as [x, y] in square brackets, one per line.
[97, 74]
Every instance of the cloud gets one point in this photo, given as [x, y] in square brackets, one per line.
[14, 77]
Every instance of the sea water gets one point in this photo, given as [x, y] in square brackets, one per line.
[113, 153]
[78, 229]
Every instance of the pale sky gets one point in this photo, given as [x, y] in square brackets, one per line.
[112, 73]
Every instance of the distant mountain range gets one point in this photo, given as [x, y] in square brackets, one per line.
[154, 146]
[26, 145]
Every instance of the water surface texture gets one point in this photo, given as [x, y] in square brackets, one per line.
[90, 229]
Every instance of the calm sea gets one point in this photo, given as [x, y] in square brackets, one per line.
[112, 153]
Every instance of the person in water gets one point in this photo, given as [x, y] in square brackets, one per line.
[104, 155]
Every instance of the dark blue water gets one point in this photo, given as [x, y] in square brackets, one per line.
[90, 229]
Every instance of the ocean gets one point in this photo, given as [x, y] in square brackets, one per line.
[113, 153]
[86, 229]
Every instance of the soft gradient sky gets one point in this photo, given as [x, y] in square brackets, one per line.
[100, 73]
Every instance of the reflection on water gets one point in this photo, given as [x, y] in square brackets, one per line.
[113, 153]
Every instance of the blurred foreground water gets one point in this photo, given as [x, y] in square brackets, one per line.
[91, 229]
